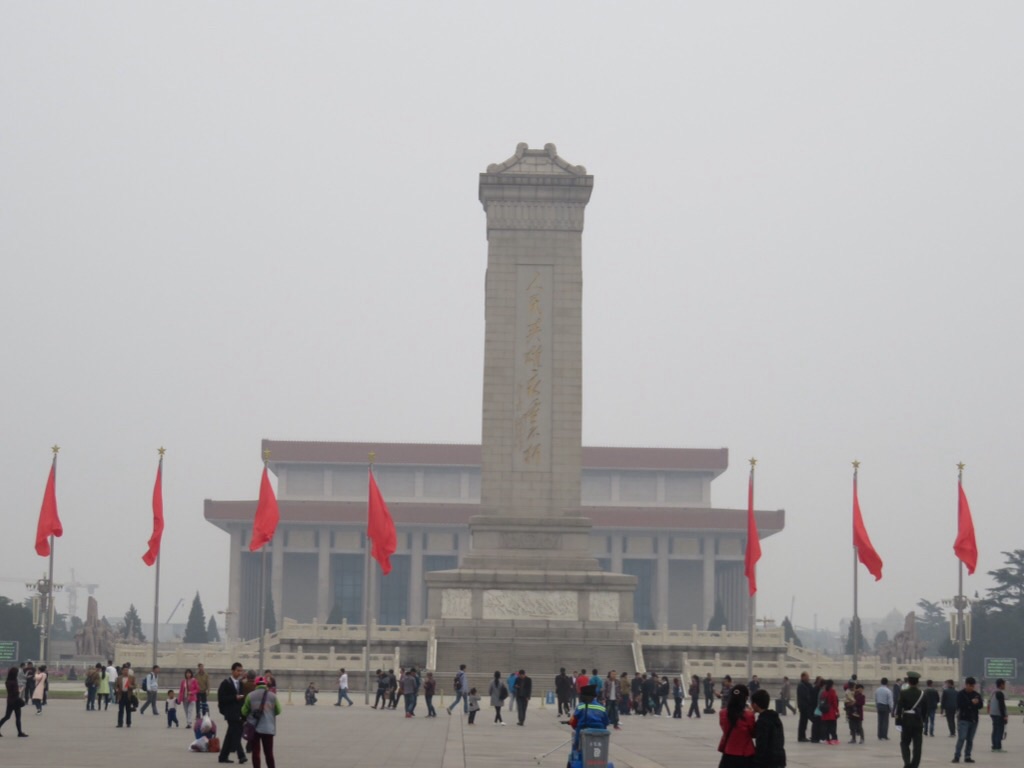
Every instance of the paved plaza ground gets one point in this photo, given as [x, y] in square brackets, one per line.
[66, 736]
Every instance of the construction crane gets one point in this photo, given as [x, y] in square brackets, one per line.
[72, 588]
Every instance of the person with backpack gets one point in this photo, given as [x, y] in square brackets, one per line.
[828, 705]
[151, 685]
[461, 689]
[769, 739]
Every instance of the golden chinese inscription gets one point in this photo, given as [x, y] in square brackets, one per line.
[533, 374]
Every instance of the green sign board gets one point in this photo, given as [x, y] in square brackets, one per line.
[8, 652]
[1004, 668]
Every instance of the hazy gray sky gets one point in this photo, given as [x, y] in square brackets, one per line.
[227, 221]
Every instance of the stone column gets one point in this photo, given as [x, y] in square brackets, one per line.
[661, 614]
[323, 575]
[277, 577]
[416, 579]
[616, 553]
[231, 624]
[709, 581]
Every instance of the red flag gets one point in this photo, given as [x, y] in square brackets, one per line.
[158, 518]
[380, 528]
[753, 540]
[267, 515]
[965, 546]
[865, 551]
[49, 523]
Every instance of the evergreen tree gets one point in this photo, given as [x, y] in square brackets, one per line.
[881, 639]
[862, 643]
[195, 630]
[212, 634]
[16, 624]
[932, 626]
[132, 628]
[790, 633]
[718, 619]
[336, 616]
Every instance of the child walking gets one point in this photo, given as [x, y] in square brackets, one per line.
[171, 708]
[474, 705]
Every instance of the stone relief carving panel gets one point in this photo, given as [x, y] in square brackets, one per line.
[530, 540]
[604, 606]
[526, 604]
[457, 604]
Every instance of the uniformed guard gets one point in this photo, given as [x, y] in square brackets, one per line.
[910, 708]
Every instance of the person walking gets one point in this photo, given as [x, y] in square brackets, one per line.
[709, 692]
[948, 705]
[151, 685]
[694, 692]
[968, 705]
[931, 704]
[112, 672]
[429, 688]
[498, 693]
[883, 708]
[124, 690]
[855, 714]
[677, 696]
[563, 691]
[92, 682]
[784, 696]
[343, 688]
[474, 705]
[264, 707]
[510, 683]
[229, 704]
[910, 716]
[804, 705]
[171, 709]
[203, 694]
[612, 691]
[382, 689]
[102, 688]
[524, 690]
[996, 709]
[737, 724]
[410, 685]
[13, 700]
[188, 694]
[461, 689]
[39, 688]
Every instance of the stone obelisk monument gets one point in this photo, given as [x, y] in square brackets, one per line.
[530, 558]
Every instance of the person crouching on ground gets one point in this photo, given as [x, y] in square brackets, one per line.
[770, 743]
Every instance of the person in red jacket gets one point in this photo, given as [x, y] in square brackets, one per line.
[737, 723]
[828, 703]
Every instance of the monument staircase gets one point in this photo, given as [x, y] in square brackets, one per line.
[539, 647]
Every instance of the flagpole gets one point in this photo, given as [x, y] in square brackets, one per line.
[156, 585]
[855, 628]
[263, 588]
[752, 601]
[367, 615]
[961, 630]
[47, 622]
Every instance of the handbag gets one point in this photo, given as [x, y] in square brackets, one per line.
[249, 727]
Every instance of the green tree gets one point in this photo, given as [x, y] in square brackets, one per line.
[195, 629]
[881, 639]
[862, 643]
[790, 633]
[718, 619]
[132, 627]
[1008, 592]
[212, 633]
[16, 624]
[932, 626]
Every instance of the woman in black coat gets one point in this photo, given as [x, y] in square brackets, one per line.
[13, 700]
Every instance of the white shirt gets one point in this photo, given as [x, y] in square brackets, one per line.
[343, 681]
[883, 695]
[111, 674]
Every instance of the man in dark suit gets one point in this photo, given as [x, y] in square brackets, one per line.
[229, 702]
[524, 690]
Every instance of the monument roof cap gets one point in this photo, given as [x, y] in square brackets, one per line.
[536, 161]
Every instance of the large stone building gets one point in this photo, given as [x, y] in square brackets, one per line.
[650, 507]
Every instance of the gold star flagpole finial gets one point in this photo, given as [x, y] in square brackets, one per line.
[161, 450]
[55, 449]
[371, 456]
[856, 465]
[753, 462]
[266, 455]
[961, 466]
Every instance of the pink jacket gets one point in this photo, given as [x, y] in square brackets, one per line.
[189, 690]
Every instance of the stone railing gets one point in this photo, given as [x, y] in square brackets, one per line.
[763, 638]
[638, 653]
[869, 668]
[356, 633]
[220, 656]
